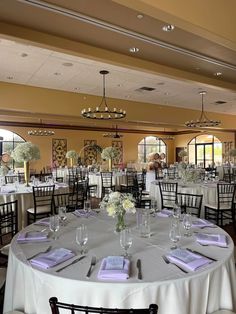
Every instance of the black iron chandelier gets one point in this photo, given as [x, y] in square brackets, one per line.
[103, 112]
[203, 121]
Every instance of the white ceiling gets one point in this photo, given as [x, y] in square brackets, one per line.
[34, 66]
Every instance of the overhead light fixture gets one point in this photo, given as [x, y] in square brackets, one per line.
[103, 112]
[41, 132]
[203, 121]
[113, 134]
[168, 28]
[134, 49]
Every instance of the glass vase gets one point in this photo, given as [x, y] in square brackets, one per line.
[120, 223]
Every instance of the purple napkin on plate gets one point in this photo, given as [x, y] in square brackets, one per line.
[32, 236]
[114, 268]
[8, 189]
[202, 223]
[43, 222]
[187, 260]
[165, 213]
[52, 258]
[84, 213]
[212, 239]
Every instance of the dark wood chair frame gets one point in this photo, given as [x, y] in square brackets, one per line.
[190, 203]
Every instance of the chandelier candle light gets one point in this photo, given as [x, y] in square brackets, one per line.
[25, 152]
[103, 112]
[203, 121]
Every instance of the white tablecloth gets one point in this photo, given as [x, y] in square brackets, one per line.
[24, 196]
[204, 291]
[208, 190]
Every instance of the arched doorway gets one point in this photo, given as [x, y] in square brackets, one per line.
[148, 145]
[205, 150]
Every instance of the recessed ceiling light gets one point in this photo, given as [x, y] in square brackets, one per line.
[10, 77]
[23, 55]
[168, 28]
[218, 73]
[76, 88]
[57, 73]
[161, 83]
[67, 64]
[140, 16]
[134, 49]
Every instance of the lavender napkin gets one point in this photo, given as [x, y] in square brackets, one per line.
[84, 213]
[187, 260]
[52, 258]
[8, 189]
[212, 239]
[32, 236]
[165, 213]
[43, 222]
[114, 268]
[202, 223]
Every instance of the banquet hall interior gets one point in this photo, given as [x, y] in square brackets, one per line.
[151, 82]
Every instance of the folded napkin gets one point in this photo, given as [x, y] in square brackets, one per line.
[187, 260]
[32, 236]
[165, 213]
[202, 223]
[114, 268]
[43, 222]
[84, 213]
[52, 258]
[212, 239]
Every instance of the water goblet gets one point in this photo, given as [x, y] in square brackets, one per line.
[82, 237]
[176, 211]
[153, 207]
[54, 225]
[187, 222]
[174, 234]
[87, 207]
[62, 214]
[126, 240]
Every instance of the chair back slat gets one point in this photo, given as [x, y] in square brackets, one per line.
[190, 203]
[168, 191]
[8, 219]
[55, 306]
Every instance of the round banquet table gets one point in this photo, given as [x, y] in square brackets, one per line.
[209, 288]
[24, 196]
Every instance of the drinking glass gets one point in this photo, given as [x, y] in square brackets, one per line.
[82, 237]
[87, 206]
[126, 240]
[54, 225]
[176, 211]
[17, 184]
[153, 207]
[62, 214]
[174, 234]
[145, 229]
[187, 222]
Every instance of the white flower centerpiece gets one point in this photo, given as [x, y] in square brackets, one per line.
[117, 205]
[26, 152]
[109, 153]
[72, 155]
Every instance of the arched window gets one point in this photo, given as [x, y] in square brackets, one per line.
[148, 145]
[205, 150]
[8, 141]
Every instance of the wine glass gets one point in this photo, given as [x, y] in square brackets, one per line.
[126, 240]
[174, 234]
[87, 207]
[187, 222]
[82, 237]
[177, 211]
[54, 225]
[62, 214]
[154, 207]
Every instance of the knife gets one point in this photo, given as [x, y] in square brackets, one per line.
[201, 254]
[140, 277]
[74, 261]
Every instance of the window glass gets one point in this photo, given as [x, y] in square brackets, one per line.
[148, 145]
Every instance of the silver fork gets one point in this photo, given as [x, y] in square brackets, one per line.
[93, 263]
[46, 251]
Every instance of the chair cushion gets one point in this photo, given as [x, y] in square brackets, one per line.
[223, 312]
[5, 249]
[40, 210]
[3, 273]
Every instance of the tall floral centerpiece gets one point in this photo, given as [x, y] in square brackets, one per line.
[25, 152]
[72, 156]
[109, 153]
[117, 205]
[183, 154]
